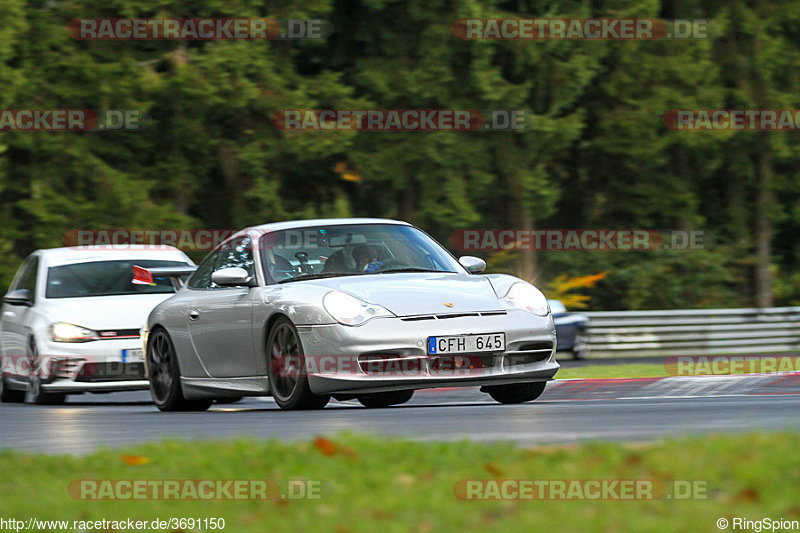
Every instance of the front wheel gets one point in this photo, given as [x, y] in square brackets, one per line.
[35, 392]
[165, 376]
[286, 367]
[385, 399]
[516, 393]
[9, 395]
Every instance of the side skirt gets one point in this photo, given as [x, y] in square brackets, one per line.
[200, 388]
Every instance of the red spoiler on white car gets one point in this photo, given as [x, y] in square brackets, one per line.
[146, 276]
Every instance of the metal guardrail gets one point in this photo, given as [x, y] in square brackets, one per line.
[693, 332]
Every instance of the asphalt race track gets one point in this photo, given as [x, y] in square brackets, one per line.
[568, 411]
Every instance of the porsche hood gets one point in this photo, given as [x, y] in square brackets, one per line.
[409, 294]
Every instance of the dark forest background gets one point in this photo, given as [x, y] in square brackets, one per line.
[595, 153]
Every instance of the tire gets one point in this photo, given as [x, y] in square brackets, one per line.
[516, 393]
[288, 381]
[385, 399]
[165, 376]
[34, 392]
[9, 395]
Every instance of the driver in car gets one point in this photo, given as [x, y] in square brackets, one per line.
[366, 257]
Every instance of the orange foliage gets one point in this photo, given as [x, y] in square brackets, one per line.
[561, 286]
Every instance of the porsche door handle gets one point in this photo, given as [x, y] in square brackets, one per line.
[194, 314]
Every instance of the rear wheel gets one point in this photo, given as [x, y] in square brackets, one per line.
[516, 393]
[288, 379]
[35, 392]
[9, 395]
[165, 376]
[385, 399]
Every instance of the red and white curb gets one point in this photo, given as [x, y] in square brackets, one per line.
[673, 387]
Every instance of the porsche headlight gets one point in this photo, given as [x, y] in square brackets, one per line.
[350, 311]
[63, 332]
[525, 296]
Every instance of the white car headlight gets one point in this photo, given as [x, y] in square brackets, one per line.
[350, 311]
[63, 332]
[525, 296]
[144, 333]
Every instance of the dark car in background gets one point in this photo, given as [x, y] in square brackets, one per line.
[570, 330]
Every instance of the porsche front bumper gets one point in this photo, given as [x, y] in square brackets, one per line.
[400, 344]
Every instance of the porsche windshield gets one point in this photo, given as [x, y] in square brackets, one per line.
[347, 250]
[104, 278]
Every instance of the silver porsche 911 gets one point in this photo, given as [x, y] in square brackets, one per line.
[365, 309]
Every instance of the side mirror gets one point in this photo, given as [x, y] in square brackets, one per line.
[18, 297]
[232, 277]
[474, 265]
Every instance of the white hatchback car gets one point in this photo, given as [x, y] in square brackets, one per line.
[70, 321]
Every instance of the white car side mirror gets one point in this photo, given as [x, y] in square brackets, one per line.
[474, 265]
[18, 297]
[232, 277]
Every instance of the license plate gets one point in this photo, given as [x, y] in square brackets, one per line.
[134, 355]
[490, 342]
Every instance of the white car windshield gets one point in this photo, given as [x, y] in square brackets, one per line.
[104, 278]
[347, 250]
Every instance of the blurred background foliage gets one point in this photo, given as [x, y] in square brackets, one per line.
[595, 153]
[569, 289]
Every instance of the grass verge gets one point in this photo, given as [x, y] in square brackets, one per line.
[647, 370]
[626, 370]
[377, 484]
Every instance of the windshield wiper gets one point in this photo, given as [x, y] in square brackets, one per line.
[340, 274]
[410, 269]
[314, 276]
